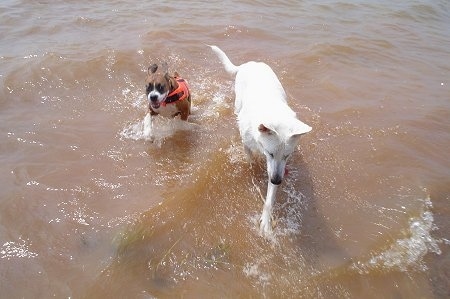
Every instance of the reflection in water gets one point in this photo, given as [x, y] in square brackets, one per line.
[178, 243]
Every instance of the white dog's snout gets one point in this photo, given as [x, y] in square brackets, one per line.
[276, 179]
[276, 171]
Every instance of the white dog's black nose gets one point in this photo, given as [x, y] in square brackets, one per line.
[276, 180]
[153, 98]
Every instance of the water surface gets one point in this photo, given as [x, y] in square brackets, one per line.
[88, 208]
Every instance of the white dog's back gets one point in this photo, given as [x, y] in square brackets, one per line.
[259, 94]
[263, 92]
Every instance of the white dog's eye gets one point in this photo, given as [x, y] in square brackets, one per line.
[268, 153]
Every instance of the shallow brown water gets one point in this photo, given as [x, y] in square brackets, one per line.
[89, 209]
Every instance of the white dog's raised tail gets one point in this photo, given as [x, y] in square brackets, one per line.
[229, 66]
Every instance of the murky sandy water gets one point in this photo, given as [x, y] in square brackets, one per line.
[88, 208]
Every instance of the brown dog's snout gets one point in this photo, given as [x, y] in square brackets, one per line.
[153, 98]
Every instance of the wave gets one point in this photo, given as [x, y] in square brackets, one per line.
[406, 253]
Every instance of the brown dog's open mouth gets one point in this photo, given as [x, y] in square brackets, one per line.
[155, 105]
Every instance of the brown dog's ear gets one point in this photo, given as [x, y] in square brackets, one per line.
[152, 69]
[167, 76]
[164, 67]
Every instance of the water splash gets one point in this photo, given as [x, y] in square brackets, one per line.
[140, 130]
[18, 249]
[407, 253]
[155, 129]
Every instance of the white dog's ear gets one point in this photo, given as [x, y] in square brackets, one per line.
[264, 129]
[300, 128]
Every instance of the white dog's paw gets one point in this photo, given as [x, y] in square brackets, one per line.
[265, 226]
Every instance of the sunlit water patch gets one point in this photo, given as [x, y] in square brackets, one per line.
[17, 249]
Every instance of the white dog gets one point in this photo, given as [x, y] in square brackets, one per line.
[266, 123]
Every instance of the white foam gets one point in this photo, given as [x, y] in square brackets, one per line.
[155, 128]
[18, 249]
[133, 131]
[407, 253]
[252, 270]
[235, 153]
[291, 223]
[214, 107]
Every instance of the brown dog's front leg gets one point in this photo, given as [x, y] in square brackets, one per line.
[148, 127]
[152, 113]
[184, 115]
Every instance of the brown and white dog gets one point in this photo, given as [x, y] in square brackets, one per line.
[167, 95]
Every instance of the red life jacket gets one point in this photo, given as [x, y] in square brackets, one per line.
[179, 94]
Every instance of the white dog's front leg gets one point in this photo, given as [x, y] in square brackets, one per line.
[265, 226]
